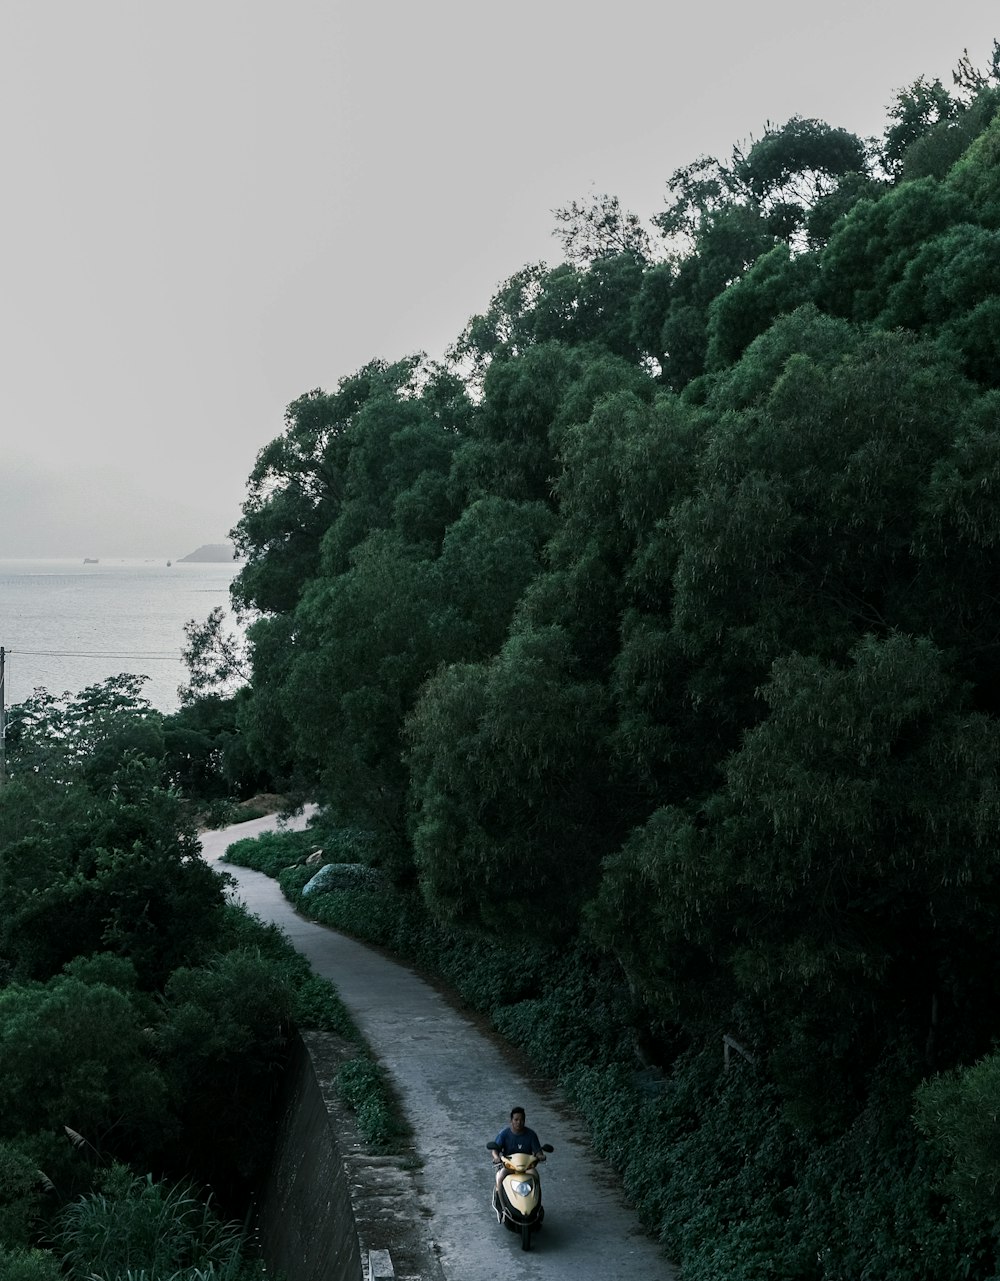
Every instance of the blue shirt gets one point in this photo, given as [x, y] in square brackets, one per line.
[526, 1141]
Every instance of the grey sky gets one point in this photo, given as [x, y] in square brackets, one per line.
[211, 207]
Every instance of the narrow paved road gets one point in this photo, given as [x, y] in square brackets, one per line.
[457, 1090]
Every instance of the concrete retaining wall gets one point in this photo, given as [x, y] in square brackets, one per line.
[306, 1220]
[329, 1210]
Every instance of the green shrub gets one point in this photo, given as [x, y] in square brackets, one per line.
[362, 1085]
[960, 1112]
[342, 844]
[242, 931]
[293, 879]
[20, 1264]
[270, 851]
[318, 1006]
[223, 1044]
[75, 1053]
[485, 972]
[21, 1194]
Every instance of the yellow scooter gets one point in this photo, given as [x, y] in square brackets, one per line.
[518, 1205]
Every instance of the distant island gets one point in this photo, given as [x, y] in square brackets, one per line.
[212, 552]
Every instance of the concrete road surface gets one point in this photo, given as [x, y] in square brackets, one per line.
[457, 1087]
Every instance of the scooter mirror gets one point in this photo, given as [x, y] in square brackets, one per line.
[492, 1146]
[547, 1147]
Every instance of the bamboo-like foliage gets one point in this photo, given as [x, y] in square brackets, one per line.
[136, 1227]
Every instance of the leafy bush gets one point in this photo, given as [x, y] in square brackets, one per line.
[76, 1053]
[317, 1005]
[270, 851]
[21, 1195]
[293, 879]
[345, 844]
[732, 1189]
[223, 1043]
[960, 1112]
[21, 1264]
[363, 1087]
[479, 968]
[224, 812]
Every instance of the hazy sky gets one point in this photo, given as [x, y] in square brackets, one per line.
[212, 206]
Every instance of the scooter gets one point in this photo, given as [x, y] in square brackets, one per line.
[518, 1205]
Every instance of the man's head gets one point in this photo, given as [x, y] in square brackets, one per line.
[517, 1120]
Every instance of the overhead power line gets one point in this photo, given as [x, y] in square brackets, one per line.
[156, 656]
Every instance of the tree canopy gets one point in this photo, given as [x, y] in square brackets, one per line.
[668, 605]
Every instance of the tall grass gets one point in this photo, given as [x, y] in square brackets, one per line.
[135, 1227]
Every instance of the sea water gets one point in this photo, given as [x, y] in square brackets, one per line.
[66, 624]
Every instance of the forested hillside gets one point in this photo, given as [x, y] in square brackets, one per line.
[664, 616]
[144, 1021]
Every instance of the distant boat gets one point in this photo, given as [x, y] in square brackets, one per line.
[91, 560]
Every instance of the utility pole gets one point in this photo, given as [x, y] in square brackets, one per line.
[3, 724]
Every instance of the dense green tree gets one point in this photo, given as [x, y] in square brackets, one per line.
[372, 456]
[509, 785]
[300, 481]
[586, 303]
[366, 639]
[83, 734]
[974, 176]
[949, 275]
[776, 284]
[914, 113]
[511, 452]
[841, 883]
[95, 852]
[205, 756]
[619, 450]
[799, 533]
[871, 249]
[81, 874]
[787, 182]
[489, 557]
[791, 168]
[958, 540]
[393, 444]
[22, 1196]
[76, 1054]
[727, 238]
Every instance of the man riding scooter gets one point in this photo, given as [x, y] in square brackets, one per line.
[517, 1196]
[516, 1137]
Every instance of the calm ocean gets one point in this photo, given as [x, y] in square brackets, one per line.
[66, 625]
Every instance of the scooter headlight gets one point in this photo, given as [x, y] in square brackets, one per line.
[522, 1188]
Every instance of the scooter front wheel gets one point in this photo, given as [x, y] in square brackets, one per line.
[525, 1236]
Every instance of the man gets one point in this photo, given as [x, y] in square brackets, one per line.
[516, 1137]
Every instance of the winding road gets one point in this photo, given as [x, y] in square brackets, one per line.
[457, 1088]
